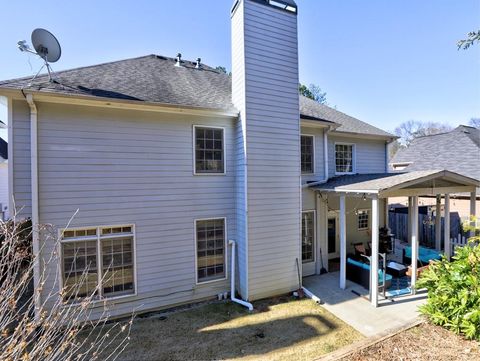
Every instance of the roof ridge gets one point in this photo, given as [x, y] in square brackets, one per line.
[77, 68]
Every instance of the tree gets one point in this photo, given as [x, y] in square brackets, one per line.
[474, 122]
[412, 129]
[472, 37]
[313, 92]
[53, 328]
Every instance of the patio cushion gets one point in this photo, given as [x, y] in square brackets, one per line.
[367, 267]
[424, 254]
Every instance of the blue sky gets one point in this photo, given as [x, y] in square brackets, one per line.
[384, 62]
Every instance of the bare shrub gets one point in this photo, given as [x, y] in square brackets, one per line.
[44, 324]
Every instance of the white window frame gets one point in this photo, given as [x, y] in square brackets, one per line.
[354, 158]
[98, 239]
[314, 245]
[313, 153]
[195, 126]
[225, 250]
[368, 219]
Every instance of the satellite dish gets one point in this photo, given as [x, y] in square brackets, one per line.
[46, 45]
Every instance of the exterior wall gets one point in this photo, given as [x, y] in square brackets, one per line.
[369, 154]
[353, 234]
[124, 167]
[21, 160]
[4, 190]
[270, 111]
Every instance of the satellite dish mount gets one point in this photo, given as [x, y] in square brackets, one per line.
[46, 47]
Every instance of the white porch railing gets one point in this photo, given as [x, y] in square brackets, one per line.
[459, 241]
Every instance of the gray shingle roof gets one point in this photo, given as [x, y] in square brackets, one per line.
[458, 151]
[155, 79]
[347, 123]
[376, 182]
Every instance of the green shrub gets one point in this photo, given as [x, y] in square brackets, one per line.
[454, 291]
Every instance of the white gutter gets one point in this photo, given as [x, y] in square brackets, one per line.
[232, 281]
[34, 191]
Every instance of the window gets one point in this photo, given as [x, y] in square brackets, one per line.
[363, 219]
[210, 240]
[209, 150]
[344, 158]
[308, 236]
[98, 261]
[307, 153]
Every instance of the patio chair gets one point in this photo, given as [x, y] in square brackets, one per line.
[360, 250]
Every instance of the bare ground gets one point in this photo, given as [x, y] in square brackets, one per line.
[278, 329]
[423, 342]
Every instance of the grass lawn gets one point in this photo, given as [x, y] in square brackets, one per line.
[424, 342]
[278, 329]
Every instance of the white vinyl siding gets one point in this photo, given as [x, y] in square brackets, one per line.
[267, 69]
[133, 167]
[21, 161]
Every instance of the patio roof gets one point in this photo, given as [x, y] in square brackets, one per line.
[425, 182]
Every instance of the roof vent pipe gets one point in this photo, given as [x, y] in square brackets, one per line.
[198, 65]
[178, 60]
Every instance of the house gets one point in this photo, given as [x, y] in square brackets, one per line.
[3, 176]
[457, 150]
[150, 166]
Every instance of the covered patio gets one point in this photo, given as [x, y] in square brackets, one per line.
[377, 188]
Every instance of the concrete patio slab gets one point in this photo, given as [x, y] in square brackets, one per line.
[355, 309]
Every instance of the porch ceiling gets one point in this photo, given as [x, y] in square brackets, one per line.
[428, 182]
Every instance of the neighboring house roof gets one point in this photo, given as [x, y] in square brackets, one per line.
[376, 183]
[2, 125]
[3, 149]
[155, 79]
[458, 151]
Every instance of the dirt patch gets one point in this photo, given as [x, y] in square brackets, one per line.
[423, 342]
[278, 329]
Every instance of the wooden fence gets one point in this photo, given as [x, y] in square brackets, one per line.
[398, 223]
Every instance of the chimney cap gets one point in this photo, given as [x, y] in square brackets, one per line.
[286, 5]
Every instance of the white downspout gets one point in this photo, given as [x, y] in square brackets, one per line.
[325, 152]
[232, 281]
[34, 191]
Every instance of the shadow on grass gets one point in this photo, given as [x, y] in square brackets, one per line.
[227, 331]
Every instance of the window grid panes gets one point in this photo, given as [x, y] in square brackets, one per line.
[307, 160]
[81, 275]
[209, 150]
[210, 249]
[343, 158]
[363, 219]
[117, 262]
[308, 236]
[80, 272]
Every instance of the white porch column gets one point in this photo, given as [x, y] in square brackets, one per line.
[473, 209]
[409, 219]
[343, 244]
[448, 245]
[374, 257]
[386, 221]
[438, 223]
[414, 240]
